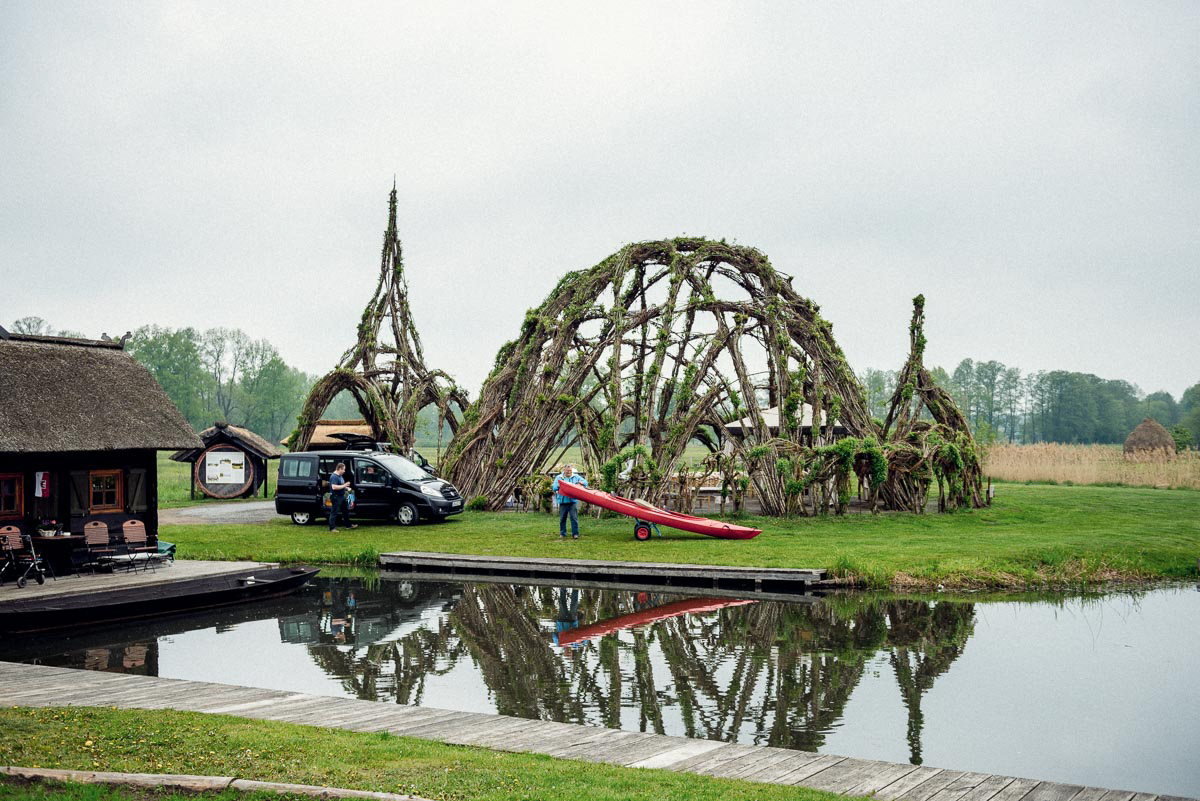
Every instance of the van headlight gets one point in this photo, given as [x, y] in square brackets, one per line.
[432, 492]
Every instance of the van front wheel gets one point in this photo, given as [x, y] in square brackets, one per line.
[406, 514]
[301, 518]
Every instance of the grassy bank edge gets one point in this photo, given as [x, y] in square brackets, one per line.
[168, 741]
[1034, 537]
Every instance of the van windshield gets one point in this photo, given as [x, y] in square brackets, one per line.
[401, 467]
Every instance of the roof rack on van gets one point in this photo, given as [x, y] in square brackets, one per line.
[360, 442]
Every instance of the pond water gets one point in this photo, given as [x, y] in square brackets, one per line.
[1099, 690]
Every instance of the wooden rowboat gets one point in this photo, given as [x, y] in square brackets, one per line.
[130, 603]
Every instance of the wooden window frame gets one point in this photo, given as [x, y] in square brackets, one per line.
[19, 486]
[119, 506]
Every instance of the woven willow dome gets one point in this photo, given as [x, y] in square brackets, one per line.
[665, 342]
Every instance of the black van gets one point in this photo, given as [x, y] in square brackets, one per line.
[386, 487]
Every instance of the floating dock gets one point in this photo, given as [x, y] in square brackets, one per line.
[706, 579]
[38, 685]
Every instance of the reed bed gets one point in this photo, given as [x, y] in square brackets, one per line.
[1092, 464]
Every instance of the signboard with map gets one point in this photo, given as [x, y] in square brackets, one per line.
[225, 468]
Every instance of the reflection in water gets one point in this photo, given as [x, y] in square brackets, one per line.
[867, 677]
[734, 670]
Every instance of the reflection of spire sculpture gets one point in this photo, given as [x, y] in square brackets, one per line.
[926, 638]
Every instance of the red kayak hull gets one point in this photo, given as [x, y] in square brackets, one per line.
[697, 525]
[644, 616]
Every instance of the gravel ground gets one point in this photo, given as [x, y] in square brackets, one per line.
[216, 512]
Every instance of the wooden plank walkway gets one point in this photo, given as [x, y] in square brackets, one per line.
[704, 578]
[38, 685]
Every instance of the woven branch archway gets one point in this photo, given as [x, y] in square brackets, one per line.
[665, 342]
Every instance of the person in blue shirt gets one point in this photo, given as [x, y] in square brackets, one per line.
[567, 507]
[338, 486]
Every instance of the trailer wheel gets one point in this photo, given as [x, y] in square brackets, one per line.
[641, 532]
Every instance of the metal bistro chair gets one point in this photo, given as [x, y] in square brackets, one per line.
[136, 547]
[20, 557]
[96, 544]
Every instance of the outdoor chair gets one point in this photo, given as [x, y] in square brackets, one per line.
[96, 544]
[136, 548]
[20, 557]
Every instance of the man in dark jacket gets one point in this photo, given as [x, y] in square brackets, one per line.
[338, 488]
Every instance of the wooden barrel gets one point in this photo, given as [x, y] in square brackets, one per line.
[224, 471]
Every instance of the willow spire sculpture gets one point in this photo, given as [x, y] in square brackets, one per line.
[385, 368]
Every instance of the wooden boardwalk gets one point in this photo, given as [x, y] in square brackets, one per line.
[38, 685]
[696, 578]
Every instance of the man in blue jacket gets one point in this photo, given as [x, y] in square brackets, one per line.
[567, 507]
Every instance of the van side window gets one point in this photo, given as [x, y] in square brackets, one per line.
[297, 468]
[367, 472]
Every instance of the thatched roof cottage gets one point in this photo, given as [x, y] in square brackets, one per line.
[80, 422]
[1149, 440]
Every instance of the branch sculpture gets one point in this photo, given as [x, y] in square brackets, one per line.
[388, 378]
[666, 342]
[661, 344]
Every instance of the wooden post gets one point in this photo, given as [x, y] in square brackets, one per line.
[192, 476]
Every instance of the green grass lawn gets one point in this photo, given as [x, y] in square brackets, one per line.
[18, 790]
[164, 741]
[1032, 536]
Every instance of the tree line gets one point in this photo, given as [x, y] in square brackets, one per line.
[1003, 404]
[224, 374]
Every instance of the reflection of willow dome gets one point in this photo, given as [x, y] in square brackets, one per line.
[1148, 439]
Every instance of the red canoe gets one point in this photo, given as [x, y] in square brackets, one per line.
[644, 616]
[642, 511]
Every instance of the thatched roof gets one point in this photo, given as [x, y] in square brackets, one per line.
[60, 394]
[322, 434]
[244, 438]
[1150, 436]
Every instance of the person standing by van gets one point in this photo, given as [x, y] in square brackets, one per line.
[567, 507]
[338, 486]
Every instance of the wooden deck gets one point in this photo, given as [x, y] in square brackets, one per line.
[86, 582]
[38, 685]
[696, 578]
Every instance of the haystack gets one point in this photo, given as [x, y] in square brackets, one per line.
[1149, 440]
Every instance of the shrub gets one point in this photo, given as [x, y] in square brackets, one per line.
[478, 503]
[1182, 436]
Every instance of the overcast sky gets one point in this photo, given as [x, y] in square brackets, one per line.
[1032, 168]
